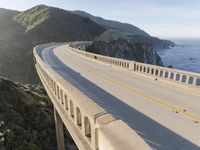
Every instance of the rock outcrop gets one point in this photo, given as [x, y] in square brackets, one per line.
[122, 48]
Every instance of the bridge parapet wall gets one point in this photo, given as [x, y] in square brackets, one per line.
[170, 74]
[91, 127]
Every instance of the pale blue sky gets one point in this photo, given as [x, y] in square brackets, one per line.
[162, 18]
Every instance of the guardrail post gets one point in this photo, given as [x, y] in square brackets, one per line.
[194, 81]
[59, 131]
[169, 74]
[187, 79]
[180, 79]
[134, 67]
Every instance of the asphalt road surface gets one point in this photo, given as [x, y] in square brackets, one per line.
[146, 105]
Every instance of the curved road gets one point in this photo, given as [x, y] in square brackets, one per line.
[146, 105]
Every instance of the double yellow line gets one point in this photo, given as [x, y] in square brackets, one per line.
[189, 115]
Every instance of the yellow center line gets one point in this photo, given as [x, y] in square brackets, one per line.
[147, 97]
[150, 98]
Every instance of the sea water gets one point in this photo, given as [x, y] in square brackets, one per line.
[185, 55]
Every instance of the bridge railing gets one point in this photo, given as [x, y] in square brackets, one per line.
[188, 78]
[126, 64]
[175, 75]
[90, 125]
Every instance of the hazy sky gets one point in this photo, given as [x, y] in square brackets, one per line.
[162, 18]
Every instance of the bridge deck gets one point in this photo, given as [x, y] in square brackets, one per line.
[144, 104]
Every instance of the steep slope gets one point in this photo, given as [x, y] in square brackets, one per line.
[154, 41]
[122, 48]
[54, 23]
[21, 31]
[113, 25]
[27, 115]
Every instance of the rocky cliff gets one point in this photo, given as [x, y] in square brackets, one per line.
[122, 48]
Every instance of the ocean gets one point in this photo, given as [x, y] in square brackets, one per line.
[185, 55]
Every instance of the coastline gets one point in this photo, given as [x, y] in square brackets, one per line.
[185, 55]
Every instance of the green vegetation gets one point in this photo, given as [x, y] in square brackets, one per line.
[126, 49]
[114, 25]
[21, 31]
[32, 18]
[27, 113]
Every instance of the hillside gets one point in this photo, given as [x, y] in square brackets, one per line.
[53, 23]
[27, 115]
[122, 48]
[113, 25]
[127, 31]
[154, 41]
[21, 31]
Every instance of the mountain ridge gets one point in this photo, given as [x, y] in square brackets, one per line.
[126, 31]
[21, 31]
[19, 34]
[111, 24]
[58, 21]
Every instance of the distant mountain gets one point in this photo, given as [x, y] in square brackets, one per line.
[113, 25]
[127, 31]
[27, 112]
[21, 31]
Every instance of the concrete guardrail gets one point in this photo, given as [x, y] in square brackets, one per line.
[175, 75]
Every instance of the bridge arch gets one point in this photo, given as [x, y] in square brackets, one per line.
[71, 109]
[66, 102]
[58, 93]
[161, 73]
[152, 71]
[178, 77]
[61, 97]
[190, 80]
[87, 126]
[166, 74]
[156, 72]
[184, 78]
[144, 69]
[78, 117]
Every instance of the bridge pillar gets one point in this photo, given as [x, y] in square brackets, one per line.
[59, 131]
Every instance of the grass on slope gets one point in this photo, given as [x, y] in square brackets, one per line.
[27, 112]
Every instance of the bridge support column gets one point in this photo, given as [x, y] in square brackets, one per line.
[59, 131]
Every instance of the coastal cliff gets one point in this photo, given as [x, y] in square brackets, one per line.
[122, 48]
